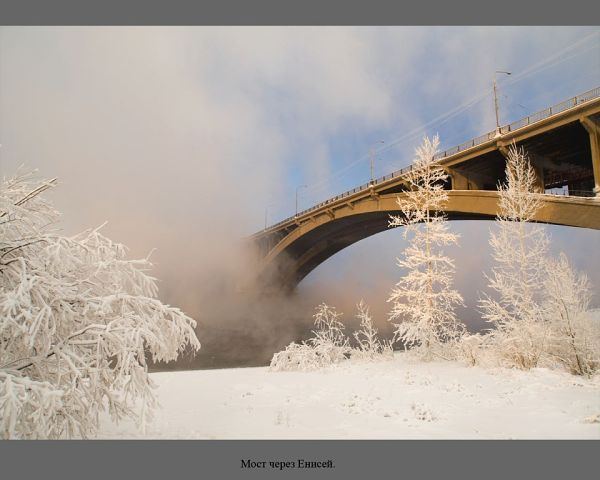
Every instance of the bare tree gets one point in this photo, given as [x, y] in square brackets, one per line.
[77, 322]
[424, 300]
[520, 250]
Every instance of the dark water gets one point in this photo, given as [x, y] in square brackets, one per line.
[236, 347]
[243, 329]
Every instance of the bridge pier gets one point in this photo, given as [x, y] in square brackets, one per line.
[539, 174]
[594, 132]
[460, 181]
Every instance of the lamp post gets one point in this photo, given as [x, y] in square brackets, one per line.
[372, 158]
[266, 210]
[297, 188]
[496, 108]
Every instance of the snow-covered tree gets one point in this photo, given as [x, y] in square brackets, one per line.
[574, 337]
[369, 346]
[424, 300]
[328, 346]
[520, 250]
[78, 321]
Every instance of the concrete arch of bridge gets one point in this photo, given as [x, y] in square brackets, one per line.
[315, 240]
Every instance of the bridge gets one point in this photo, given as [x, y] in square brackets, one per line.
[563, 144]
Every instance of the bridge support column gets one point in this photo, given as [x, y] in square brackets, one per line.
[539, 174]
[594, 131]
[461, 181]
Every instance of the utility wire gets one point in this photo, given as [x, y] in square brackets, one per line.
[314, 189]
[445, 117]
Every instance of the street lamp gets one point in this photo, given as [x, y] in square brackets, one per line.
[372, 158]
[496, 102]
[266, 210]
[297, 188]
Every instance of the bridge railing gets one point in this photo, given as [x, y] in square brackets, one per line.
[573, 193]
[553, 110]
[511, 127]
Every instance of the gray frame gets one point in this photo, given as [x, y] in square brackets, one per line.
[352, 459]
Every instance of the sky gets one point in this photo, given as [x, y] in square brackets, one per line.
[184, 138]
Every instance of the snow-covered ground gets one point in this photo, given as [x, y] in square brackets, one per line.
[400, 399]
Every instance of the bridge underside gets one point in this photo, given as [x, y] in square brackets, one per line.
[561, 157]
[311, 243]
[303, 256]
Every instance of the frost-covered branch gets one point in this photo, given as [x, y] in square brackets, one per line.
[574, 338]
[328, 346]
[77, 322]
[369, 345]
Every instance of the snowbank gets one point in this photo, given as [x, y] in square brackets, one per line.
[397, 399]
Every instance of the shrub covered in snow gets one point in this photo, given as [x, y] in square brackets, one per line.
[471, 348]
[330, 330]
[77, 322]
[306, 357]
[328, 346]
[369, 347]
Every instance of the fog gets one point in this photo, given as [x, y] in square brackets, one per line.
[180, 137]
